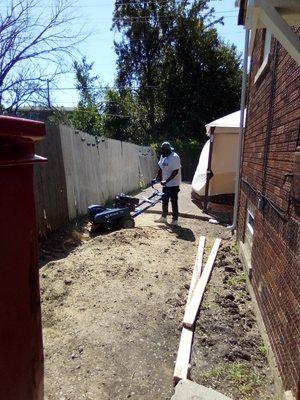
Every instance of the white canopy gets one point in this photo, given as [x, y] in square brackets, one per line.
[228, 124]
[224, 155]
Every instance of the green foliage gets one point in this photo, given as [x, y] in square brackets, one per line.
[262, 350]
[87, 116]
[235, 250]
[87, 119]
[121, 120]
[247, 380]
[87, 85]
[191, 146]
[174, 75]
[183, 75]
[237, 280]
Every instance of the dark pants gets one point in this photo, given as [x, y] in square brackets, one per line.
[170, 193]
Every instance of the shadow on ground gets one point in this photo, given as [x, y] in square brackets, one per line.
[180, 232]
[61, 242]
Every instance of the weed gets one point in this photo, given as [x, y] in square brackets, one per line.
[239, 295]
[208, 247]
[235, 250]
[217, 372]
[262, 351]
[205, 305]
[237, 280]
[242, 376]
[245, 378]
[142, 183]
[208, 304]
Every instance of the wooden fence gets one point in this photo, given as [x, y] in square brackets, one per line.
[83, 170]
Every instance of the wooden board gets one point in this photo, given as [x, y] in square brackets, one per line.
[197, 267]
[185, 345]
[183, 356]
[195, 301]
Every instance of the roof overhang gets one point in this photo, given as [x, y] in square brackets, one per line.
[276, 15]
[228, 124]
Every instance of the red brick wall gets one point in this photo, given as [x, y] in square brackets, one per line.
[271, 138]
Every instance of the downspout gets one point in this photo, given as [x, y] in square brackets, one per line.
[241, 134]
[209, 173]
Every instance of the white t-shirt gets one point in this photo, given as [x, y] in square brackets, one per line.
[168, 165]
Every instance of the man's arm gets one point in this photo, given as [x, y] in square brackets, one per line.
[173, 174]
[159, 175]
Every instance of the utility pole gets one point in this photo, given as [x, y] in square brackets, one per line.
[48, 93]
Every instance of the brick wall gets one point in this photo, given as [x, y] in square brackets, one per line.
[271, 138]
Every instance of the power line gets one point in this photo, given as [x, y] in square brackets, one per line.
[94, 5]
[148, 18]
[166, 18]
[120, 4]
[104, 39]
[103, 87]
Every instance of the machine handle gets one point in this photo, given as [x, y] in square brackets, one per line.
[157, 191]
[153, 183]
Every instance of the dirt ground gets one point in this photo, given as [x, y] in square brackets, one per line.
[112, 309]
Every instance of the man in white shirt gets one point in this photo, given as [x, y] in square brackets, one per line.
[169, 174]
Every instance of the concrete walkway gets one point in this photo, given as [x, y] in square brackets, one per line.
[188, 390]
[186, 207]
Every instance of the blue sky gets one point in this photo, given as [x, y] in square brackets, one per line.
[96, 15]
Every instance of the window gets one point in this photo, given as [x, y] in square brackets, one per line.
[267, 44]
[265, 55]
[250, 222]
[249, 225]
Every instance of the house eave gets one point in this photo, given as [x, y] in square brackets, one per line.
[276, 15]
[242, 4]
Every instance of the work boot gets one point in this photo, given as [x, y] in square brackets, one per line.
[161, 220]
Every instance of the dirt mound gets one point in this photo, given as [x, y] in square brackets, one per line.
[112, 311]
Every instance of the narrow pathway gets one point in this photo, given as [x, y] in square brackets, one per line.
[186, 206]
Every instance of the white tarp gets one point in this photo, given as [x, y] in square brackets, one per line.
[224, 157]
[199, 180]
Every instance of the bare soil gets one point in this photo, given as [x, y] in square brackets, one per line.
[112, 310]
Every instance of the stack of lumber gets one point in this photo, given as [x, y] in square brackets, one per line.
[196, 291]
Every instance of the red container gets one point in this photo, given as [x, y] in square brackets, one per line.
[21, 347]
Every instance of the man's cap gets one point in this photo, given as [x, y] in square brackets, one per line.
[167, 144]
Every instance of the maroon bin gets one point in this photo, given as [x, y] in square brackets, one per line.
[21, 347]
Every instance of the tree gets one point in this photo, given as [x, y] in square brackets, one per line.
[140, 48]
[87, 119]
[122, 117]
[33, 47]
[89, 87]
[200, 80]
[171, 55]
[87, 116]
[103, 110]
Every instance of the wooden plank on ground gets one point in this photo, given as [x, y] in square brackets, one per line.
[197, 267]
[185, 345]
[183, 356]
[194, 304]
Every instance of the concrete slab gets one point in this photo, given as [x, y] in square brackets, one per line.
[186, 207]
[188, 390]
